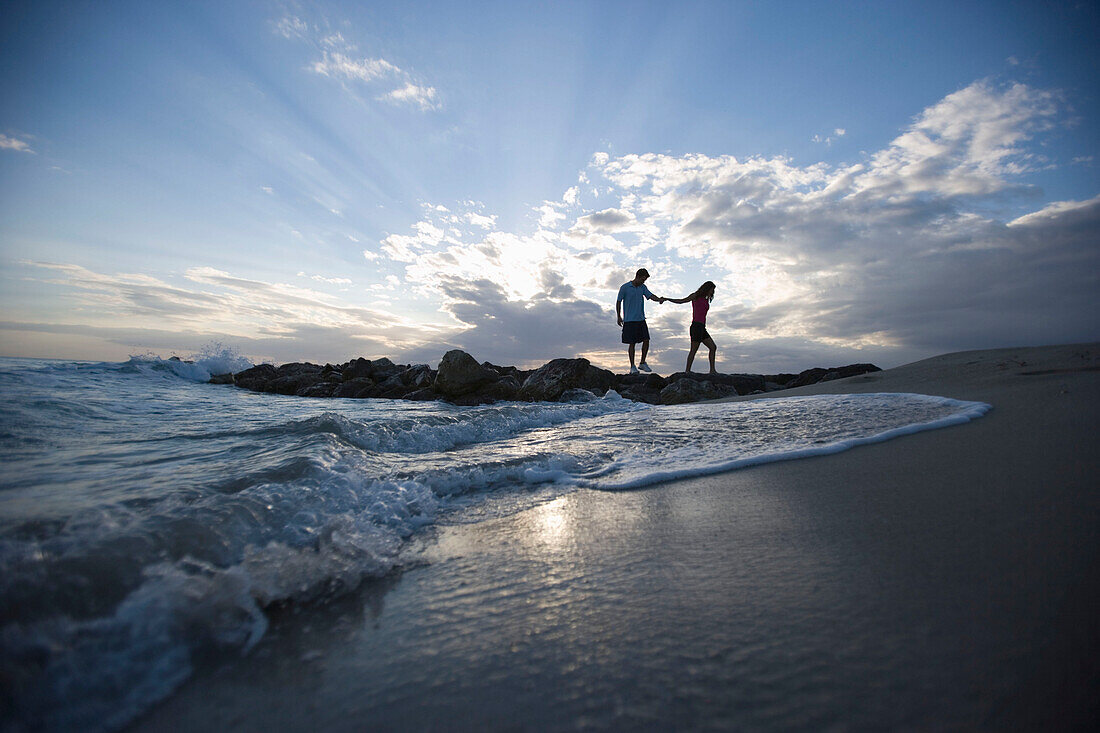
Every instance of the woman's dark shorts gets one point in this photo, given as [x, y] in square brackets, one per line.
[698, 332]
[635, 332]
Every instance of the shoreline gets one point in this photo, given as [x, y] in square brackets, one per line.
[943, 579]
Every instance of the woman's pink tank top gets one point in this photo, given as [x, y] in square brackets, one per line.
[699, 308]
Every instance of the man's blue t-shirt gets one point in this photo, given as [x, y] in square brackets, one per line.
[633, 299]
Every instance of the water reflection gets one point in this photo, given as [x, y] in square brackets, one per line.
[551, 525]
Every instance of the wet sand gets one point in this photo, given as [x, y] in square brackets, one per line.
[943, 580]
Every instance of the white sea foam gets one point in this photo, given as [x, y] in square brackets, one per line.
[214, 358]
[184, 509]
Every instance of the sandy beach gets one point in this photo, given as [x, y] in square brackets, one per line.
[943, 580]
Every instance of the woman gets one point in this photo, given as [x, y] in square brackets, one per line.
[700, 304]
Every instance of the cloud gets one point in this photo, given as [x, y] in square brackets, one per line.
[893, 252]
[291, 27]
[526, 332]
[425, 98]
[329, 280]
[967, 144]
[936, 242]
[213, 301]
[892, 257]
[15, 144]
[340, 66]
[339, 61]
[606, 221]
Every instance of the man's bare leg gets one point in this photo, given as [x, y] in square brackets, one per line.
[645, 350]
[630, 353]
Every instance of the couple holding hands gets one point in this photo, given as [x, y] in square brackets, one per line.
[630, 312]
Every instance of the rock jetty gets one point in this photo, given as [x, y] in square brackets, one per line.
[462, 380]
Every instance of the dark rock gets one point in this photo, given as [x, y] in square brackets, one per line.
[645, 381]
[257, 378]
[382, 369]
[508, 371]
[295, 383]
[394, 382]
[578, 395]
[741, 383]
[319, 389]
[818, 374]
[462, 380]
[356, 369]
[808, 377]
[692, 390]
[358, 387]
[548, 382]
[640, 394]
[392, 388]
[502, 390]
[297, 368]
[779, 379]
[418, 376]
[422, 395]
[460, 374]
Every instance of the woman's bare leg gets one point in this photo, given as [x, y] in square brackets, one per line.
[713, 348]
[691, 355]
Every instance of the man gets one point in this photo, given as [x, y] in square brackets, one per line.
[633, 294]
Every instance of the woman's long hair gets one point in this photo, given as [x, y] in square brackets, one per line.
[706, 290]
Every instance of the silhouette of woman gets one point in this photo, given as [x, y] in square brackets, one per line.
[700, 304]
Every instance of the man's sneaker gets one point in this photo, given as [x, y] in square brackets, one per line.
[644, 367]
[633, 370]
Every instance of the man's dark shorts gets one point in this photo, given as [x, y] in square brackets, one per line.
[635, 332]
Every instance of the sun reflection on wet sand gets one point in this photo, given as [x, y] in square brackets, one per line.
[551, 525]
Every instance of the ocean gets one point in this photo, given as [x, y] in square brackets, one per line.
[149, 520]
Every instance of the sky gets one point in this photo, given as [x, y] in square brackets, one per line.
[863, 181]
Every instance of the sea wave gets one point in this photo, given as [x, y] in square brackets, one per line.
[158, 525]
[215, 358]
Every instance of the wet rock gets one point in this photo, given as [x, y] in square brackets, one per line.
[297, 368]
[357, 388]
[505, 389]
[508, 371]
[684, 390]
[740, 383]
[418, 376]
[382, 369]
[422, 395]
[319, 389]
[292, 384]
[551, 380]
[392, 388]
[819, 374]
[780, 380]
[356, 369]
[460, 374]
[642, 380]
[641, 394]
[257, 378]
[221, 379]
[578, 395]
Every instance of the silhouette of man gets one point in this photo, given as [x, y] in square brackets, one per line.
[630, 313]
